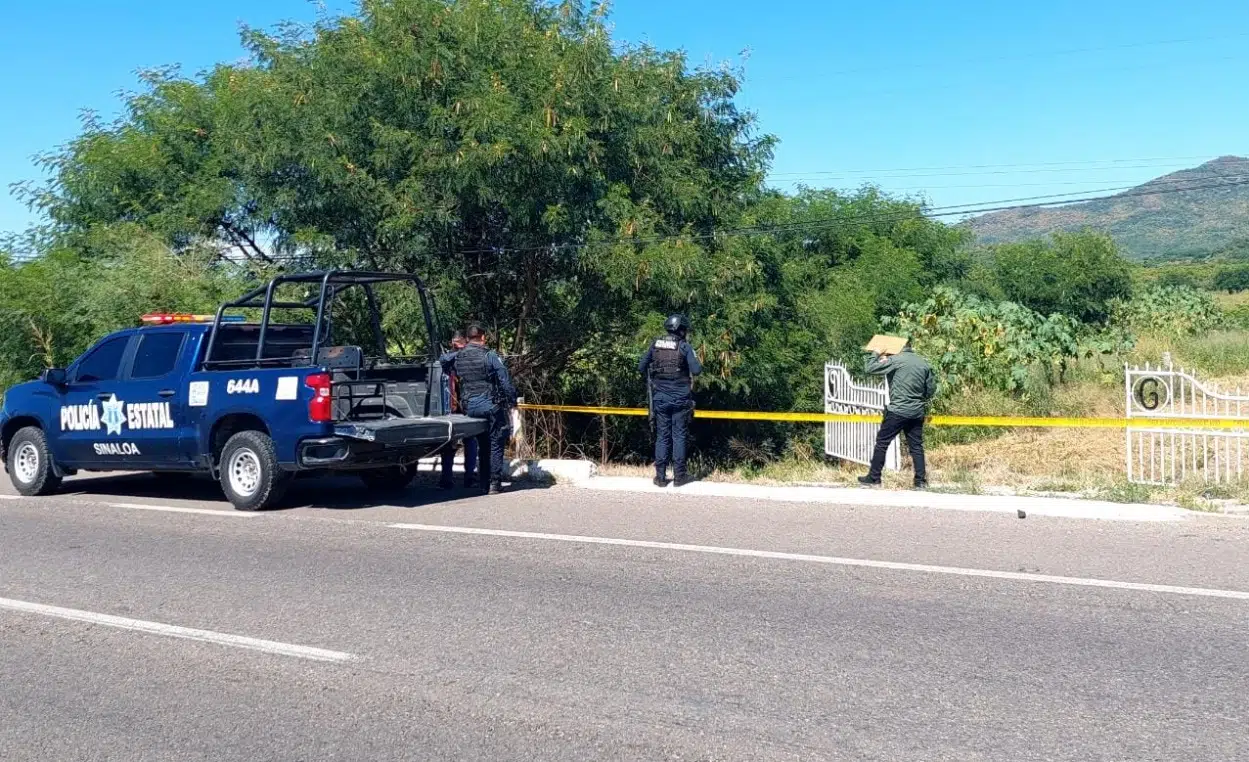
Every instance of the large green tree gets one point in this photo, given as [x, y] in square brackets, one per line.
[1075, 274]
[565, 188]
[505, 149]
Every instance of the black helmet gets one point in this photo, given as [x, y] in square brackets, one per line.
[677, 324]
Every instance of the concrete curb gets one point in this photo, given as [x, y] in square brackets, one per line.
[1032, 506]
[583, 474]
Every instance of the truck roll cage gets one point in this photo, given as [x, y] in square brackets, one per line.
[332, 282]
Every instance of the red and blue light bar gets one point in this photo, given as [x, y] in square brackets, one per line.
[169, 318]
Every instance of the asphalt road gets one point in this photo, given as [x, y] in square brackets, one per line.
[560, 624]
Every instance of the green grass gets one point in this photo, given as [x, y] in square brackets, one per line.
[1218, 354]
[963, 481]
[1125, 492]
[1225, 353]
[1065, 487]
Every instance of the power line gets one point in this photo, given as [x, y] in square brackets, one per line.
[981, 84]
[1033, 55]
[833, 175]
[1055, 183]
[955, 210]
[1076, 165]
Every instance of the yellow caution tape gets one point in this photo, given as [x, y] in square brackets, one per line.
[586, 410]
[998, 421]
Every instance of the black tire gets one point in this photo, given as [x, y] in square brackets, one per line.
[250, 476]
[30, 463]
[389, 479]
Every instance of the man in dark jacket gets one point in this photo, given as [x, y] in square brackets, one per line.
[451, 404]
[669, 366]
[486, 392]
[912, 385]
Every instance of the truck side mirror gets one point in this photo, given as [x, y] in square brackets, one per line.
[55, 376]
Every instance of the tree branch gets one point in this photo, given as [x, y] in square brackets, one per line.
[240, 236]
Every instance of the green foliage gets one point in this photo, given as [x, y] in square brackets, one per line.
[54, 307]
[1174, 276]
[1175, 311]
[1216, 354]
[563, 188]
[1232, 279]
[973, 342]
[547, 181]
[1073, 274]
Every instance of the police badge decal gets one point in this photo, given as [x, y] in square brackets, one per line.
[112, 416]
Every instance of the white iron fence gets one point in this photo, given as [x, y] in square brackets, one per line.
[854, 441]
[1169, 454]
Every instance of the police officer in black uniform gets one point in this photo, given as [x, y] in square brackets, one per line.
[486, 392]
[669, 366]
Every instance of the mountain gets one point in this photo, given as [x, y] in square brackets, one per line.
[1190, 212]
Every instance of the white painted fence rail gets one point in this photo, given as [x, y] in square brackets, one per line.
[1169, 454]
[854, 441]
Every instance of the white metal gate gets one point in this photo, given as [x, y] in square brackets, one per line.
[1169, 454]
[854, 441]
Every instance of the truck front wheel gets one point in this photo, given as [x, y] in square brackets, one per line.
[250, 476]
[30, 463]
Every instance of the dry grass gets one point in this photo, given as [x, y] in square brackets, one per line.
[1042, 458]
[1033, 459]
[1231, 302]
[1088, 462]
[1221, 356]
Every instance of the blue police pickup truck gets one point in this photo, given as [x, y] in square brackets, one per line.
[334, 385]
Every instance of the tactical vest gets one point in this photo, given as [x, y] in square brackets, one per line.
[667, 362]
[473, 374]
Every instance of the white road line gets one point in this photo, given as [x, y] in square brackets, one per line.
[173, 631]
[149, 507]
[177, 509]
[1200, 592]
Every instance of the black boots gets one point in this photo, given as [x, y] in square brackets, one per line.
[868, 481]
[680, 481]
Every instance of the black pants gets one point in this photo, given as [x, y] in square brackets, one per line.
[892, 425]
[470, 461]
[672, 430]
[490, 445]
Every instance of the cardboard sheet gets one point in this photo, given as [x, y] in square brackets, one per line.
[886, 345]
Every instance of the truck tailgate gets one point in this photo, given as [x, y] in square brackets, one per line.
[413, 431]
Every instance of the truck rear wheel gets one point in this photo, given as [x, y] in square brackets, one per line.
[389, 479]
[250, 475]
[30, 463]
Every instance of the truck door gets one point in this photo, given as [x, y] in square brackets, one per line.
[156, 411]
[91, 407]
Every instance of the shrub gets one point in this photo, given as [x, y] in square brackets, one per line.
[997, 345]
[1168, 311]
[1232, 279]
[1076, 274]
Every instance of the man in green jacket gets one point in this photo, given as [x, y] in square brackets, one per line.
[912, 385]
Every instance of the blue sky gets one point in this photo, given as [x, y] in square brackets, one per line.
[963, 101]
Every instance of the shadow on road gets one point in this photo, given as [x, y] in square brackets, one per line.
[319, 492]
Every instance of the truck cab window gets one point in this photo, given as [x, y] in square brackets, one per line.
[103, 362]
[157, 354]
